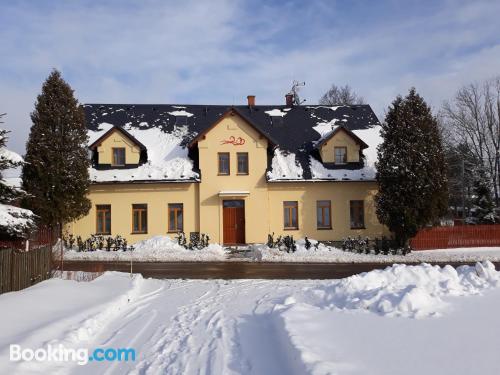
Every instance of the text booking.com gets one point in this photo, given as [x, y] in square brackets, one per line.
[59, 353]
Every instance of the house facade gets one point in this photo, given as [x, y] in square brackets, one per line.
[235, 173]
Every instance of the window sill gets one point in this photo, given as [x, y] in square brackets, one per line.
[324, 228]
[175, 231]
[103, 234]
[291, 228]
[223, 174]
[139, 233]
[242, 174]
[358, 228]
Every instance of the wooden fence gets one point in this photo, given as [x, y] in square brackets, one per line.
[21, 269]
[457, 236]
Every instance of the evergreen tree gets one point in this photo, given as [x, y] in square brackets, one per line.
[56, 171]
[14, 221]
[411, 169]
[483, 206]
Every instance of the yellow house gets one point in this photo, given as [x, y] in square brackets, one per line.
[235, 173]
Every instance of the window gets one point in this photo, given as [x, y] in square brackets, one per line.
[103, 219]
[242, 162]
[180, 120]
[340, 155]
[139, 218]
[118, 156]
[290, 212]
[175, 217]
[357, 215]
[324, 215]
[223, 163]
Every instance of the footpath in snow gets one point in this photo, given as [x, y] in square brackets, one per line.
[401, 320]
[165, 249]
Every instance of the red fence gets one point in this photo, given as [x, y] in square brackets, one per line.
[458, 236]
[41, 237]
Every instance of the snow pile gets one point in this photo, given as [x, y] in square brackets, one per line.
[154, 249]
[325, 128]
[319, 172]
[373, 139]
[167, 160]
[180, 113]
[15, 220]
[284, 166]
[330, 254]
[402, 290]
[276, 112]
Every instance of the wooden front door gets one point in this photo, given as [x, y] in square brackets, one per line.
[234, 221]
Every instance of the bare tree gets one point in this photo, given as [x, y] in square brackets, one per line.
[473, 119]
[341, 95]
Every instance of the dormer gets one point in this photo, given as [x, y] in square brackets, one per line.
[340, 147]
[117, 149]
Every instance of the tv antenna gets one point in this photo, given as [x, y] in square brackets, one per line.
[295, 92]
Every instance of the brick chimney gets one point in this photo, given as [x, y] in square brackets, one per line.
[289, 100]
[251, 100]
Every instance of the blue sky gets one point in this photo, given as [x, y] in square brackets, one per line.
[220, 51]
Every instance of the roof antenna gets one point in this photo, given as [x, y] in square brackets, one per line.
[295, 92]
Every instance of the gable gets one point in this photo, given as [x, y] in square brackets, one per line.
[340, 139]
[117, 139]
[233, 120]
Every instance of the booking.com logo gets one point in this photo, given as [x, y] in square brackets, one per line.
[81, 356]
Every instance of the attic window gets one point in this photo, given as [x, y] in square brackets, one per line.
[277, 121]
[340, 155]
[181, 120]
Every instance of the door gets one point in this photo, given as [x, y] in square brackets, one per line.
[233, 221]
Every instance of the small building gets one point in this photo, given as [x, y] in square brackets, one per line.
[236, 173]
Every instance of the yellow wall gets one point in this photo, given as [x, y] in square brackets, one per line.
[340, 139]
[118, 139]
[156, 196]
[339, 193]
[256, 204]
[203, 210]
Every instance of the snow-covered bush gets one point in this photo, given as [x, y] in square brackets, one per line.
[283, 243]
[196, 240]
[14, 221]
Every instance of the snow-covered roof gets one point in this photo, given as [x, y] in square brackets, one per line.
[294, 137]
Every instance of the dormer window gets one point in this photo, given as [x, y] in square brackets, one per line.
[340, 155]
[180, 120]
[118, 156]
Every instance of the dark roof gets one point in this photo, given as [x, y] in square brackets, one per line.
[329, 136]
[121, 130]
[294, 133]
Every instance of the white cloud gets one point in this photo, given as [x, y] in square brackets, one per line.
[220, 51]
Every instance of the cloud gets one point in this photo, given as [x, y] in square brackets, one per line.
[220, 51]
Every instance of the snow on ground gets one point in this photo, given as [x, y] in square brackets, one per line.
[166, 249]
[284, 166]
[401, 320]
[167, 160]
[158, 248]
[328, 254]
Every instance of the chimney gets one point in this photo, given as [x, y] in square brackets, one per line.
[289, 100]
[251, 100]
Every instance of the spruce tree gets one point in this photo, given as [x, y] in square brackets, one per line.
[14, 221]
[56, 171]
[483, 206]
[411, 169]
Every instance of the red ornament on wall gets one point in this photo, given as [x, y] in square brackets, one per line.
[233, 141]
